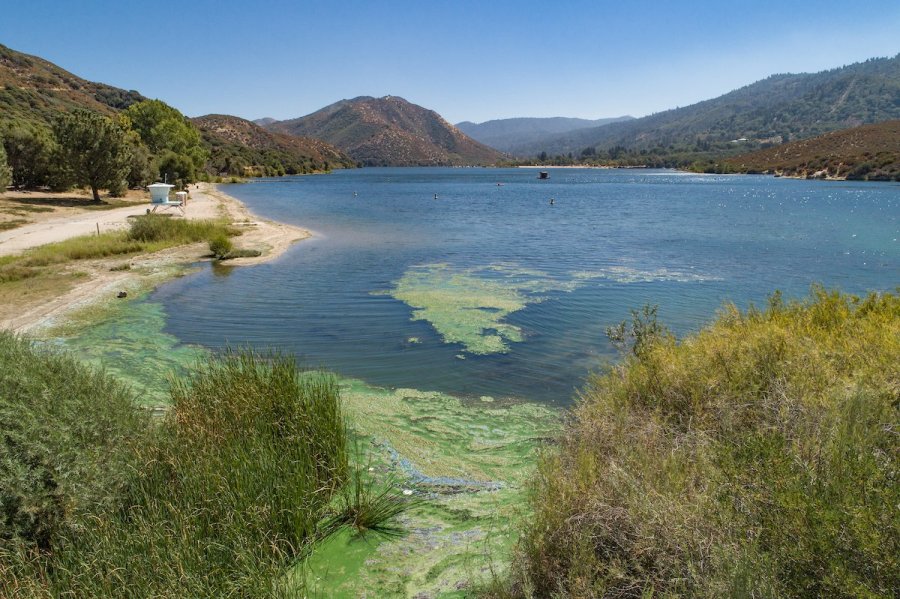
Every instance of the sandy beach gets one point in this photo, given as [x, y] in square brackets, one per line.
[98, 284]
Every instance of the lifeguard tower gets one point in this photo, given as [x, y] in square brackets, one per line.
[159, 198]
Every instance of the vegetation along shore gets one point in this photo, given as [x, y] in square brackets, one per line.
[493, 429]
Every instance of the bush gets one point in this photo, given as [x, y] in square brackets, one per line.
[216, 500]
[65, 451]
[221, 247]
[755, 458]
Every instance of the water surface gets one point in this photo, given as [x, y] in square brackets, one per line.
[488, 289]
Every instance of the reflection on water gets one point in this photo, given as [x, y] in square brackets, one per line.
[396, 286]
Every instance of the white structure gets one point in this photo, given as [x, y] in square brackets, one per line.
[159, 193]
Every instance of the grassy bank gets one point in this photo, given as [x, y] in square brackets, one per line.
[217, 499]
[757, 458]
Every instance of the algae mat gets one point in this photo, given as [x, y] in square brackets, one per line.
[469, 305]
[467, 460]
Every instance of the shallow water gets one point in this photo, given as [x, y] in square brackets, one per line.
[486, 292]
[490, 290]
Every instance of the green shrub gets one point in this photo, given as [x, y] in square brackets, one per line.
[221, 247]
[65, 449]
[755, 458]
[217, 499]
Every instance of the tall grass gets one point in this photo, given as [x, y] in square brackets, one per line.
[214, 501]
[757, 458]
[148, 233]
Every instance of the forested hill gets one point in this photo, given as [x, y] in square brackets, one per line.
[237, 144]
[510, 135]
[34, 93]
[33, 90]
[390, 131]
[778, 109]
[870, 152]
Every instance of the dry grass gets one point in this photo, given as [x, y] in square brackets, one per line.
[757, 458]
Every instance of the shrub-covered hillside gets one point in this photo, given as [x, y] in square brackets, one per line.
[757, 458]
[870, 152]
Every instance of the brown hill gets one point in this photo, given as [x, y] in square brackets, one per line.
[34, 90]
[231, 139]
[390, 131]
[870, 152]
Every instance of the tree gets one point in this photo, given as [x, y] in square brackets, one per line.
[165, 130]
[95, 148]
[4, 170]
[29, 153]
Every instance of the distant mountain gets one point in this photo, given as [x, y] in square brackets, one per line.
[264, 121]
[35, 90]
[236, 144]
[390, 131]
[869, 152]
[778, 109]
[511, 135]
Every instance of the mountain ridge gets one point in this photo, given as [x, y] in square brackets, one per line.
[777, 109]
[390, 131]
[510, 134]
[239, 144]
[34, 90]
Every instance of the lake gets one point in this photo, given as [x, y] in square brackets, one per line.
[470, 282]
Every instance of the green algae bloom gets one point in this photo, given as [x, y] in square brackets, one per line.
[469, 306]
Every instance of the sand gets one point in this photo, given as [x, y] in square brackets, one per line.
[98, 284]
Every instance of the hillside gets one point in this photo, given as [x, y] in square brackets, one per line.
[511, 135]
[390, 131]
[237, 144]
[778, 109]
[869, 152]
[34, 90]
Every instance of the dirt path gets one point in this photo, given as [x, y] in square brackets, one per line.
[97, 283]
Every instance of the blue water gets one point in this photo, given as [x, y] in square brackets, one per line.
[685, 242]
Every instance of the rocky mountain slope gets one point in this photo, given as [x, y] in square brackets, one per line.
[232, 139]
[390, 131]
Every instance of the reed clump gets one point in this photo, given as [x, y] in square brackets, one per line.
[217, 499]
[756, 458]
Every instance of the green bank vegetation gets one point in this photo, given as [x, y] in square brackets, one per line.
[146, 234]
[217, 498]
[756, 458]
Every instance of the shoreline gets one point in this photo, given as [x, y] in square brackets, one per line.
[98, 285]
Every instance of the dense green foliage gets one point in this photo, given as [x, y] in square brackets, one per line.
[757, 458]
[215, 500]
[171, 137]
[30, 151]
[66, 432]
[5, 175]
[94, 148]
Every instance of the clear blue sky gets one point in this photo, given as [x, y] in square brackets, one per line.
[466, 60]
